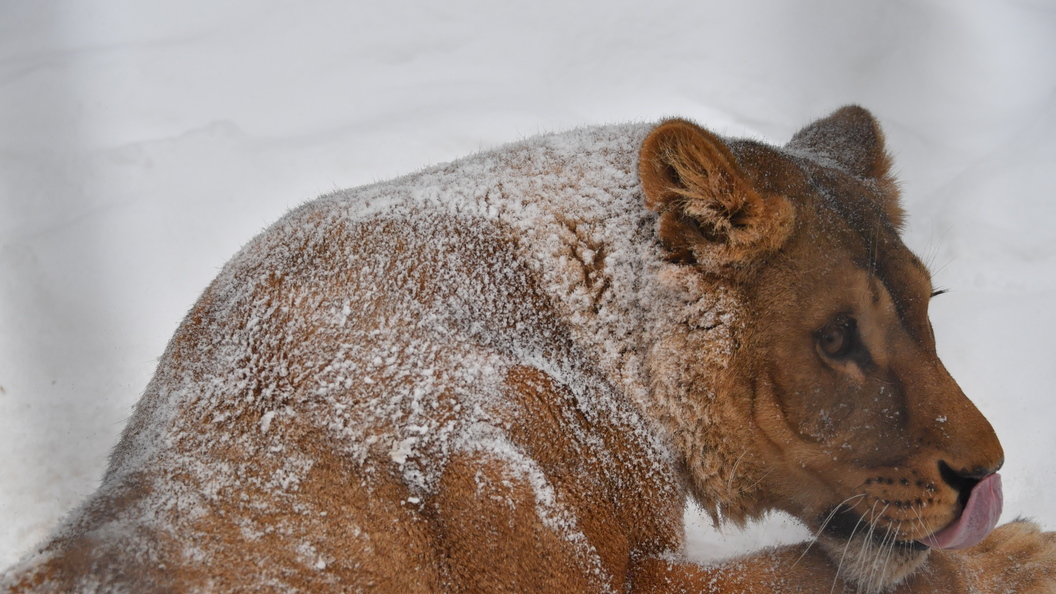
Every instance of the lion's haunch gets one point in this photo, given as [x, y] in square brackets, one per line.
[978, 519]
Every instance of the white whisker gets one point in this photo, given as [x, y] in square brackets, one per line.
[844, 555]
[825, 524]
[733, 471]
[869, 533]
[890, 551]
[867, 547]
[924, 527]
[876, 570]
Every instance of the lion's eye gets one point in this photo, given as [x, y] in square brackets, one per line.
[836, 339]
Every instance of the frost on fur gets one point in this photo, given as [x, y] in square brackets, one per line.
[511, 371]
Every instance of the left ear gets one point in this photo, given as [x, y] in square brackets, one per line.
[851, 139]
[711, 214]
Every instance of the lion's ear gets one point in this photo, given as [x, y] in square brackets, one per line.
[851, 139]
[710, 213]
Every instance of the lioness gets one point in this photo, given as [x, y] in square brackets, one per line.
[510, 372]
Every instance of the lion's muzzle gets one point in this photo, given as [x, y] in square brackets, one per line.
[977, 520]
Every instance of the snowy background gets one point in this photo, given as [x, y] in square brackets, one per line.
[141, 143]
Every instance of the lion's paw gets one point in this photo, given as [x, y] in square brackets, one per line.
[1017, 557]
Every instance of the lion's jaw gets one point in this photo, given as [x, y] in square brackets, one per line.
[876, 562]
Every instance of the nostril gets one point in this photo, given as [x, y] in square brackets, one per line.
[976, 473]
[956, 478]
[961, 480]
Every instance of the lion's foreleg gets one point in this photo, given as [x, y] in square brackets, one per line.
[1016, 557]
[792, 568]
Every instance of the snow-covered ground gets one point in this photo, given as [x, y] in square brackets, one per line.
[141, 143]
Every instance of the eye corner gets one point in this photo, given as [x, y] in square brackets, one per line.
[938, 292]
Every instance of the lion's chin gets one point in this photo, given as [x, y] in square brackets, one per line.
[874, 564]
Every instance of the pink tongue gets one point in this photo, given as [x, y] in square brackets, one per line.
[976, 521]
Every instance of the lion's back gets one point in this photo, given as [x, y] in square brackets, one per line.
[315, 395]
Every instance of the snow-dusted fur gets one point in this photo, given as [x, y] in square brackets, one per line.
[504, 372]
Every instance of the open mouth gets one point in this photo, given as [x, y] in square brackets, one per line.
[979, 515]
[980, 510]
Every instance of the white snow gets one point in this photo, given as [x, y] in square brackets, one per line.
[141, 144]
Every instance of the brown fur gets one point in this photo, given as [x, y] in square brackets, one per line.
[471, 398]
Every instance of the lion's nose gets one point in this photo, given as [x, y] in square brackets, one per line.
[963, 479]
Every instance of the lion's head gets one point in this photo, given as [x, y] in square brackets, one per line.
[844, 414]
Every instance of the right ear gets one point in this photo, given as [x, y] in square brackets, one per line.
[710, 213]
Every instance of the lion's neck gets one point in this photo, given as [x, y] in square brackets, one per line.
[668, 346]
[662, 334]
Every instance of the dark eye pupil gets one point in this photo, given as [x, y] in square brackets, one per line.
[832, 341]
[836, 339]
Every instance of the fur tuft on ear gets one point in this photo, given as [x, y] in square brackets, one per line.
[851, 139]
[710, 213]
